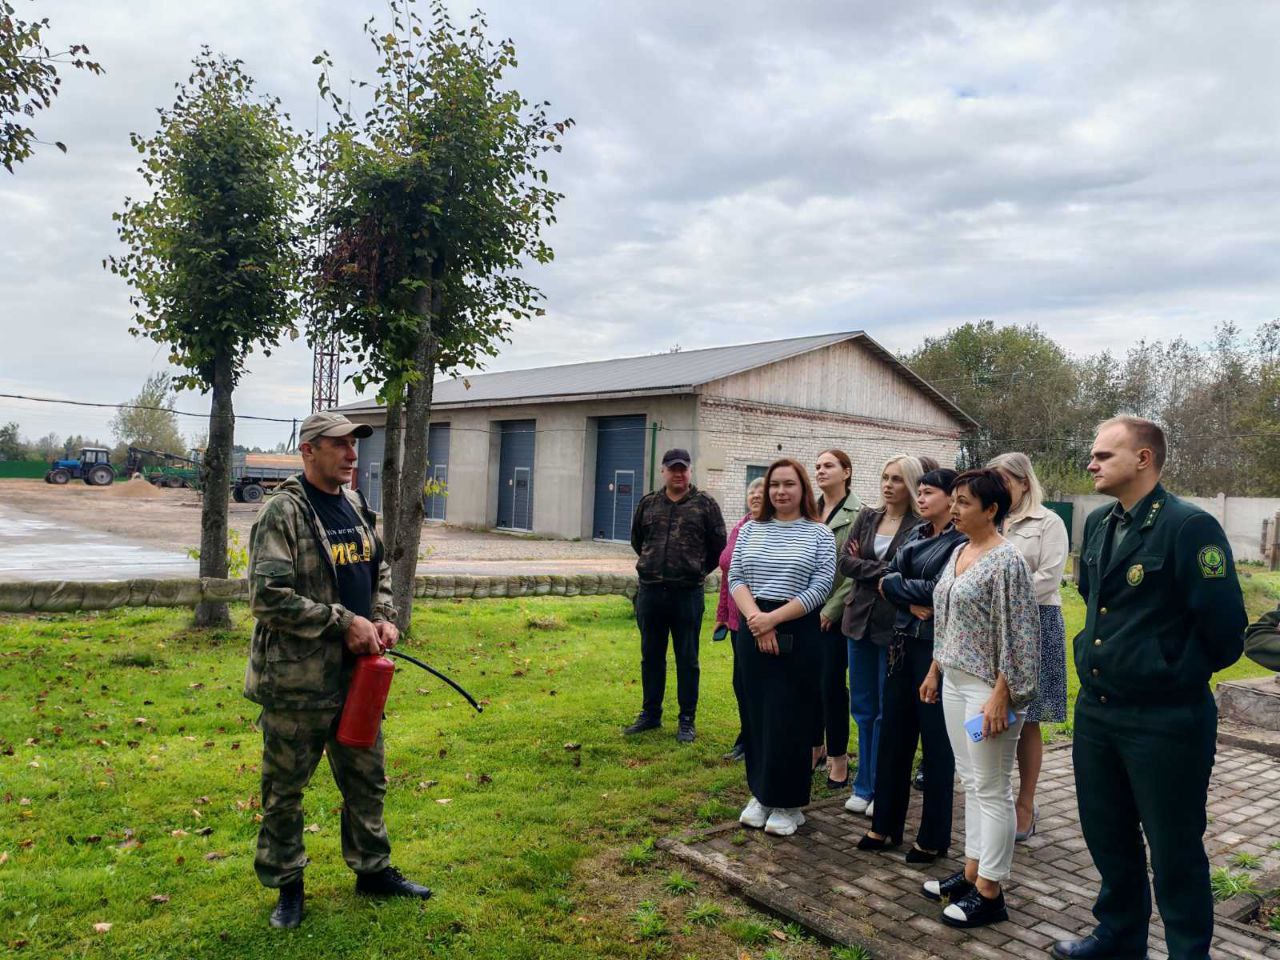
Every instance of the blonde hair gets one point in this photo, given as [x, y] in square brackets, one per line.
[912, 471]
[1018, 465]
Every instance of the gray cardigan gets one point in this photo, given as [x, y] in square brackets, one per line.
[867, 615]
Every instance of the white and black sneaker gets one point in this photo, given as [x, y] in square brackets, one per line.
[949, 888]
[975, 910]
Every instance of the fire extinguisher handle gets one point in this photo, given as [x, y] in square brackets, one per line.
[436, 673]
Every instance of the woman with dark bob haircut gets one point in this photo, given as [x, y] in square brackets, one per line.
[986, 646]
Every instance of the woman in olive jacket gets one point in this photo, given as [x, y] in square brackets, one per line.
[838, 507]
[868, 617]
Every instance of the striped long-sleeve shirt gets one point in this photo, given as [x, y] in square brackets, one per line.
[785, 560]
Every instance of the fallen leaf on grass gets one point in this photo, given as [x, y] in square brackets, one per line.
[24, 802]
[427, 784]
[101, 927]
[311, 828]
[213, 855]
[444, 800]
[159, 898]
[573, 746]
[204, 831]
[4, 858]
[93, 838]
[179, 833]
[26, 844]
[17, 944]
[202, 800]
[778, 935]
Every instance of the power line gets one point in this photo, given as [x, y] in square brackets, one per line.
[139, 406]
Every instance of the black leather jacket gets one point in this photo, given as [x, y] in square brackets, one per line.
[914, 572]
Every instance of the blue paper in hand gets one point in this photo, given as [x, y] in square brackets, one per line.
[973, 726]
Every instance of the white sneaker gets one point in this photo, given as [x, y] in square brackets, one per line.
[855, 804]
[783, 821]
[755, 814]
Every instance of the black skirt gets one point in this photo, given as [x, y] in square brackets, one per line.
[778, 693]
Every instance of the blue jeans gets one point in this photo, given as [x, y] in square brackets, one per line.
[868, 664]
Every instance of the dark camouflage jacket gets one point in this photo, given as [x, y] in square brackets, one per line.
[679, 542]
[298, 656]
[1262, 640]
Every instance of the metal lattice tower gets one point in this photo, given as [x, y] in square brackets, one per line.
[324, 377]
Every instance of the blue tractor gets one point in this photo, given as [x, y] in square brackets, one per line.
[93, 467]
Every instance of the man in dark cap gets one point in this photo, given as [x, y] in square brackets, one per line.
[1163, 613]
[320, 589]
[678, 533]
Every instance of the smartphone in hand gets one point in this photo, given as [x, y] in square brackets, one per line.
[973, 726]
[721, 632]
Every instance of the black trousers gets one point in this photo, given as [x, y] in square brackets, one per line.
[776, 690]
[906, 720]
[831, 709]
[1144, 770]
[675, 612]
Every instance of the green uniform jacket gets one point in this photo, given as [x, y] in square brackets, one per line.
[1262, 640]
[1165, 613]
[840, 525]
[297, 658]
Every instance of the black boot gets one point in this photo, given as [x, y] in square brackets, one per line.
[643, 722]
[390, 882]
[1093, 947]
[288, 911]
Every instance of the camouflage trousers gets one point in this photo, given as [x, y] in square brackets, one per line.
[292, 743]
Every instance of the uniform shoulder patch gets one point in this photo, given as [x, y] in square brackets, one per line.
[1213, 562]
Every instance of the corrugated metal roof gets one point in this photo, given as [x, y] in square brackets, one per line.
[666, 372]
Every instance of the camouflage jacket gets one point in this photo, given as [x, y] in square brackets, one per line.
[678, 542]
[1262, 640]
[298, 657]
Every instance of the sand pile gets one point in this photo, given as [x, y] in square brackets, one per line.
[134, 489]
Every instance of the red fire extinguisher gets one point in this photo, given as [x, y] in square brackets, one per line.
[367, 697]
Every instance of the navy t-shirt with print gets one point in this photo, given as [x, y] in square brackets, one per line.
[353, 549]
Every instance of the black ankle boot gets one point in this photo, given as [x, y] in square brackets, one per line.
[288, 911]
[390, 882]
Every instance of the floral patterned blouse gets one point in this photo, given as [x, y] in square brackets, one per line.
[987, 622]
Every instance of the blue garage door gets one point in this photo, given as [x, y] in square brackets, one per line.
[619, 475]
[515, 474]
[435, 505]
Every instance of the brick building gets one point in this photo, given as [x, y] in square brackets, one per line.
[569, 450]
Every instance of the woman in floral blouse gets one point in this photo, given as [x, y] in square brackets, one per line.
[986, 648]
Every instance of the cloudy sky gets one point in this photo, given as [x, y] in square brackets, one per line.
[739, 172]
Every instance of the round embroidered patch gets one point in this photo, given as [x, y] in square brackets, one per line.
[1213, 562]
[1135, 575]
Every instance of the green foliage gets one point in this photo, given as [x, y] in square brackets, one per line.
[640, 855]
[11, 444]
[213, 252]
[649, 921]
[677, 883]
[1273, 922]
[29, 80]
[237, 555]
[747, 930]
[149, 421]
[850, 953]
[704, 913]
[437, 188]
[1227, 883]
[1246, 861]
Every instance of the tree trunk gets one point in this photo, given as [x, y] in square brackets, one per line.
[391, 473]
[417, 421]
[216, 488]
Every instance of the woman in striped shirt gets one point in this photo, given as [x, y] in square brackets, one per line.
[782, 570]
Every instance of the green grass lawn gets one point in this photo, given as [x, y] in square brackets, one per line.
[129, 773]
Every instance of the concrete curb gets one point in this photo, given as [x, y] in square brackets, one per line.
[61, 596]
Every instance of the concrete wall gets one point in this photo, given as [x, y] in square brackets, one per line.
[1241, 518]
[737, 434]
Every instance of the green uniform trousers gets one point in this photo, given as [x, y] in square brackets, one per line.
[1145, 770]
[292, 743]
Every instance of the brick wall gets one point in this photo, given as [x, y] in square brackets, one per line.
[736, 434]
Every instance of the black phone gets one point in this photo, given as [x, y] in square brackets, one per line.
[786, 642]
[721, 632]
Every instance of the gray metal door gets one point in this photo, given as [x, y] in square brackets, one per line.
[373, 490]
[619, 464]
[515, 474]
[436, 501]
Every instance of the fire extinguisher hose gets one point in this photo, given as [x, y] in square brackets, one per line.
[436, 673]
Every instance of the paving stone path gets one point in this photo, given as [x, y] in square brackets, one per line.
[820, 879]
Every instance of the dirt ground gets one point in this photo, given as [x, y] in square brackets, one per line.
[171, 519]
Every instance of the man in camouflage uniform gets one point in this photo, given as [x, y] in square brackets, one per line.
[678, 532]
[321, 591]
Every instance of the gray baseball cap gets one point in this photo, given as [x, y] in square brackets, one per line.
[330, 423]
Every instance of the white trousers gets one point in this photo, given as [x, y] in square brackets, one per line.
[985, 770]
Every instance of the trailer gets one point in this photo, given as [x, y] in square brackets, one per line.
[165, 469]
[253, 475]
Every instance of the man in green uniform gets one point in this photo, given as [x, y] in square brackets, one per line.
[321, 592]
[1164, 611]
